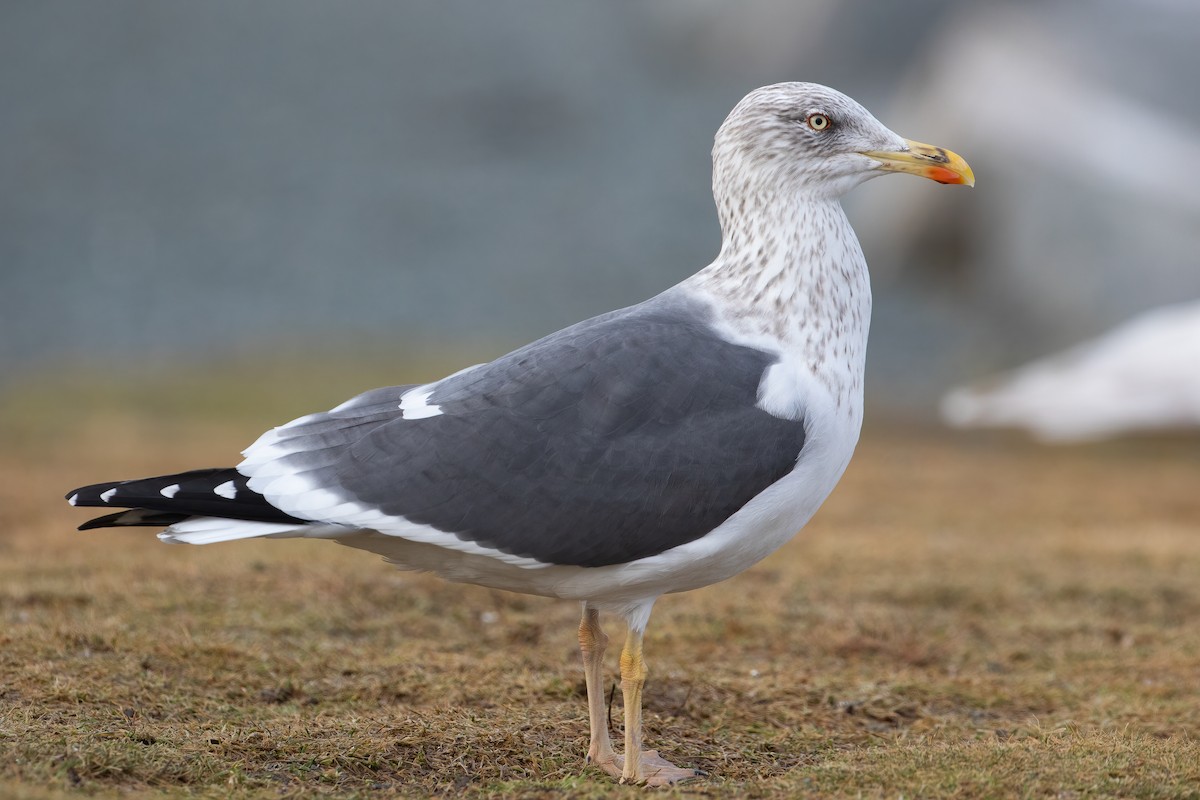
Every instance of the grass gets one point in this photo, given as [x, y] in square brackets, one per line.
[967, 617]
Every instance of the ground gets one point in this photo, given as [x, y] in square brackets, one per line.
[968, 616]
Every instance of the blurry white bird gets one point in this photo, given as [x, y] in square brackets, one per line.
[1142, 375]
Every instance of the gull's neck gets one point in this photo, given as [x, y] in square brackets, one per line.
[791, 276]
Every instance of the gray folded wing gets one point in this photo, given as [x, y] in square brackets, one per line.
[616, 439]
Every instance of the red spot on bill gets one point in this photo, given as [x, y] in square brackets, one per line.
[943, 175]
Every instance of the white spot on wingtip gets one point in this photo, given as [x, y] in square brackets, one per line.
[106, 496]
[73, 498]
[169, 491]
[414, 405]
[226, 490]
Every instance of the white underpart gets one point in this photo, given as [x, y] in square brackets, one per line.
[226, 490]
[169, 491]
[414, 405]
[73, 499]
[108, 495]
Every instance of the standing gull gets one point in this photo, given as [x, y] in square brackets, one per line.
[655, 449]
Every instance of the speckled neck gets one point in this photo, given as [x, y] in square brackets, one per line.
[791, 275]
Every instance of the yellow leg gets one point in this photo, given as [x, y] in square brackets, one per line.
[636, 766]
[641, 766]
[592, 643]
[633, 679]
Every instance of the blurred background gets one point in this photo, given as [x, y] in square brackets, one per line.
[219, 215]
[303, 182]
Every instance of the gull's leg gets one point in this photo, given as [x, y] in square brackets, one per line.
[592, 643]
[633, 679]
[641, 766]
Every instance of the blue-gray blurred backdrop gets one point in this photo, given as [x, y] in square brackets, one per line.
[184, 180]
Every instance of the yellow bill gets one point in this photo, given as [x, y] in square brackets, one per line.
[926, 160]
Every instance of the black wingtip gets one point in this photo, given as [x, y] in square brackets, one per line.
[91, 495]
[166, 499]
[107, 521]
[134, 518]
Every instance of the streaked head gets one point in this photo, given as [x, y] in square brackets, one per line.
[804, 137]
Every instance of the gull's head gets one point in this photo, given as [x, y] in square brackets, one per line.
[807, 138]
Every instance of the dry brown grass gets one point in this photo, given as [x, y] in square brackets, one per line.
[967, 617]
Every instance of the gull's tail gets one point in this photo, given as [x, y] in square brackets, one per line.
[203, 505]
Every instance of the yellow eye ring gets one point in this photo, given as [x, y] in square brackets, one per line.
[818, 122]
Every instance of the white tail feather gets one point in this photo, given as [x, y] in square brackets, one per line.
[207, 530]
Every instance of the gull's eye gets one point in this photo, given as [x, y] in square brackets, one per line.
[818, 122]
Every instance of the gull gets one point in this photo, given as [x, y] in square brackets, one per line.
[650, 450]
[1138, 377]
